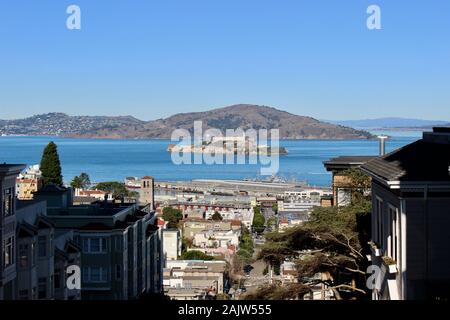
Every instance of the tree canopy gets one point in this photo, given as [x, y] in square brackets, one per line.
[333, 242]
[117, 189]
[50, 165]
[172, 216]
[258, 220]
[81, 182]
[217, 216]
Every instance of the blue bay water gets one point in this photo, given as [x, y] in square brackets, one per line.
[106, 160]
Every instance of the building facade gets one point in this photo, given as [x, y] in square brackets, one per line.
[171, 244]
[411, 218]
[8, 221]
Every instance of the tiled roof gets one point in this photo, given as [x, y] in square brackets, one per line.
[418, 161]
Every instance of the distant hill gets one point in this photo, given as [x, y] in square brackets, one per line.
[60, 124]
[390, 123]
[238, 116]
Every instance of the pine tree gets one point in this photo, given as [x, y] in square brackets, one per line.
[51, 166]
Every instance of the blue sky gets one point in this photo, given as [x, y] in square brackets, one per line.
[151, 59]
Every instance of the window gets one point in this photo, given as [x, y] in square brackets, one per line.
[94, 245]
[42, 246]
[8, 252]
[23, 256]
[8, 202]
[95, 274]
[42, 288]
[393, 233]
[379, 222]
[85, 245]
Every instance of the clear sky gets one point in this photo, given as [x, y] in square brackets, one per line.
[151, 59]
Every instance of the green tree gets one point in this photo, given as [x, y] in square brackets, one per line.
[172, 216]
[117, 189]
[76, 183]
[195, 255]
[51, 166]
[217, 216]
[332, 242]
[81, 182]
[258, 220]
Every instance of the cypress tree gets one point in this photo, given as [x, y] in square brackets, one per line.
[51, 166]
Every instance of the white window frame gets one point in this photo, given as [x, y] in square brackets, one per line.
[393, 246]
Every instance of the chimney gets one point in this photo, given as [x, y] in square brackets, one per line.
[382, 144]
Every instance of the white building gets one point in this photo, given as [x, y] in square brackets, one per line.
[217, 239]
[194, 279]
[243, 215]
[171, 244]
[297, 205]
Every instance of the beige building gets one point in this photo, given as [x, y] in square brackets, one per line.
[26, 187]
[192, 227]
[28, 181]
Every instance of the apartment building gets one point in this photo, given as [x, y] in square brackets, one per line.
[33, 264]
[8, 224]
[44, 255]
[28, 182]
[411, 219]
[120, 249]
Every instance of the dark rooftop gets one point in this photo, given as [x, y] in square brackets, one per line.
[11, 168]
[425, 160]
[346, 162]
